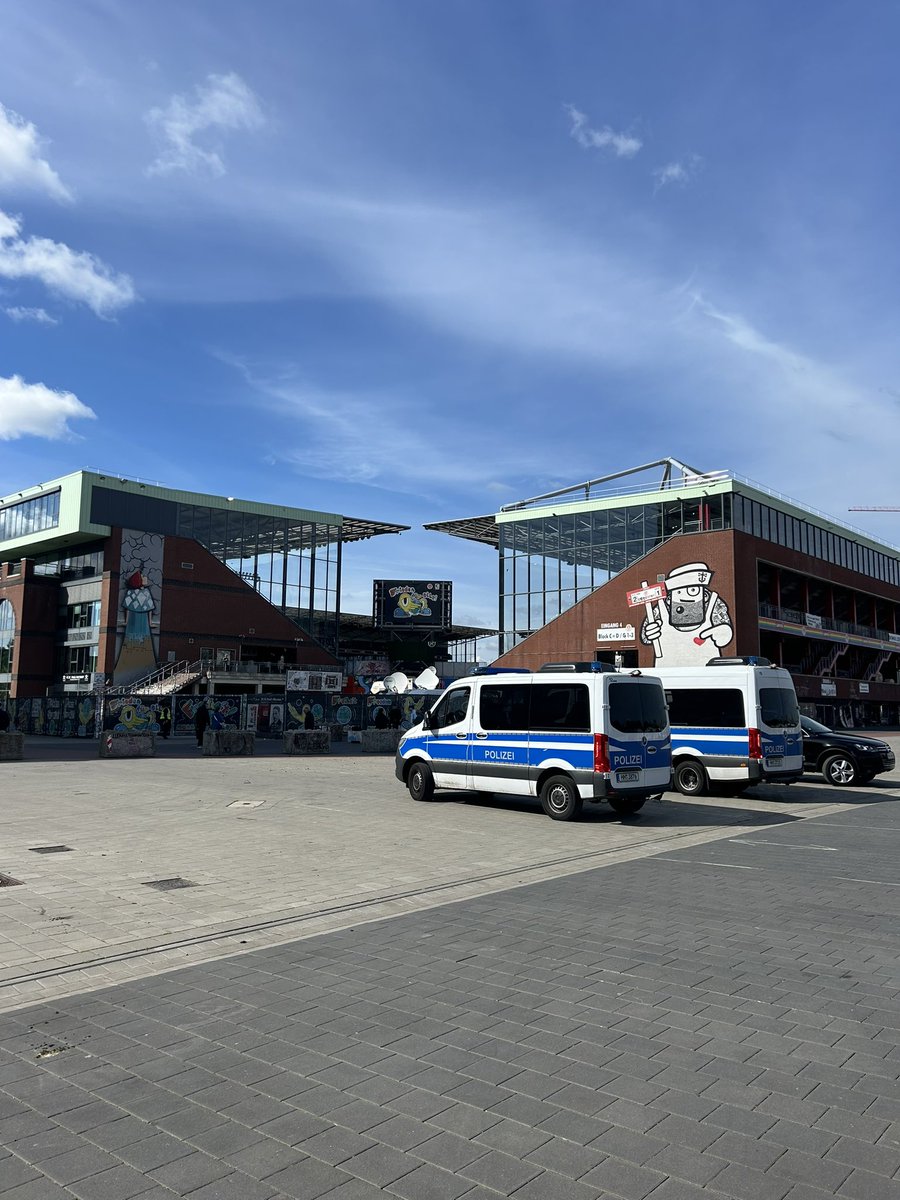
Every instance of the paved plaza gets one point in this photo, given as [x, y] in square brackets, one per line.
[279, 977]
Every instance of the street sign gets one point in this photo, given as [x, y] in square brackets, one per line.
[646, 595]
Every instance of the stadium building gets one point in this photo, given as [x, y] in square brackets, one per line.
[694, 565]
[118, 580]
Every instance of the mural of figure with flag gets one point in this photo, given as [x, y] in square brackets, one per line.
[692, 623]
[137, 655]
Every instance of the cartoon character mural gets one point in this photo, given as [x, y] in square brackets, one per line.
[691, 624]
[140, 594]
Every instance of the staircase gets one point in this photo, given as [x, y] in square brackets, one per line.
[827, 664]
[164, 681]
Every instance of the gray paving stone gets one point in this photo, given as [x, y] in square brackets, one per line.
[502, 1172]
[865, 1185]
[824, 1173]
[746, 1183]
[13, 1172]
[264, 1158]
[232, 1187]
[681, 1162]
[623, 1179]
[77, 1164]
[117, 1183]
[451, 1151]
[380, 1165]
[38, 1189]
[564, 1157]
[192, 1171]
[883, 1159]
[427, 1182]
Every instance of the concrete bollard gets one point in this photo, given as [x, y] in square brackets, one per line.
[307, 741]
[231, 742]
[12, 747]
[379, 741]
[127, 745]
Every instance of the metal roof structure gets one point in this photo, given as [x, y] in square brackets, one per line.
[676, 480]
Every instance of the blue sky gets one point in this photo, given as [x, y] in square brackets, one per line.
[416, 260]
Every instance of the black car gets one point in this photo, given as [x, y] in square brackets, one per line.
[843, 758]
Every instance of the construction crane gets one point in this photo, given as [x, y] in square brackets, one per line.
[875, 508]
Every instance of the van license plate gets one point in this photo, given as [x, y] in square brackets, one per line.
[775, 760]
[627, 776]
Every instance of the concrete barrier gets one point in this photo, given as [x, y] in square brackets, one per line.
[12, 747]
[127, 745]
[230, 742]
[379, 741]
[307, 741]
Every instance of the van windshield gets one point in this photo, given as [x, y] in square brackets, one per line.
[778, 708]
[637, 707]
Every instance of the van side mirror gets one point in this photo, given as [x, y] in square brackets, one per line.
[426, 721]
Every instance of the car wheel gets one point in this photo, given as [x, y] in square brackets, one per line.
[625, 807]
[420, 781]
[841, 770]
[560, 799]
[690, 778]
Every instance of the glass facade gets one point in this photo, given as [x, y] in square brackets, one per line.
[548, 563]
[7, 644]
[85, 563]
[29, 516]
[294, 564]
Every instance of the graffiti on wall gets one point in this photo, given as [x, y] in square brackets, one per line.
[691, 623]
[140, 595]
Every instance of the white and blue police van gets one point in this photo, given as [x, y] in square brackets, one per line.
[735, 722]
[566, 734]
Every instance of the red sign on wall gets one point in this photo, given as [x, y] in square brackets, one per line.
[646, 595]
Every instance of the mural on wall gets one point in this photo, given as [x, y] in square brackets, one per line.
[140, 594]
[691, 623]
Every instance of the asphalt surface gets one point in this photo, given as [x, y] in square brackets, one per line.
[700, 1002]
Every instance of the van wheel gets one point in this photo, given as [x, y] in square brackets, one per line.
[560, 799]
[841, 770]
[690, 778]
[624, 807]
[420, 781]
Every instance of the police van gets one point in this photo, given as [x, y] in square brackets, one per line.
[569, 733]
[735, 722]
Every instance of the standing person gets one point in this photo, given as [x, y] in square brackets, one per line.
[281, 664]
[164, 717]
[309, 721]
[395, 716]
[380, 720]
[4, 720]
[201, 722]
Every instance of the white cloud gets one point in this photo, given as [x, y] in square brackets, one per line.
[224, 102]
[679, 173]
[21, 165]
[73, 274]
[32, 409]
[40, 315]
[623, 145]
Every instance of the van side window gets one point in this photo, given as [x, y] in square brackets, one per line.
[451, 709]
[721, 708]
[637, 707]
[560, 706]
[504, 706]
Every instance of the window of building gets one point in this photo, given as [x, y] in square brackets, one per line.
[29, 516]
[7, 636]
[83, 616]
[78, 660]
